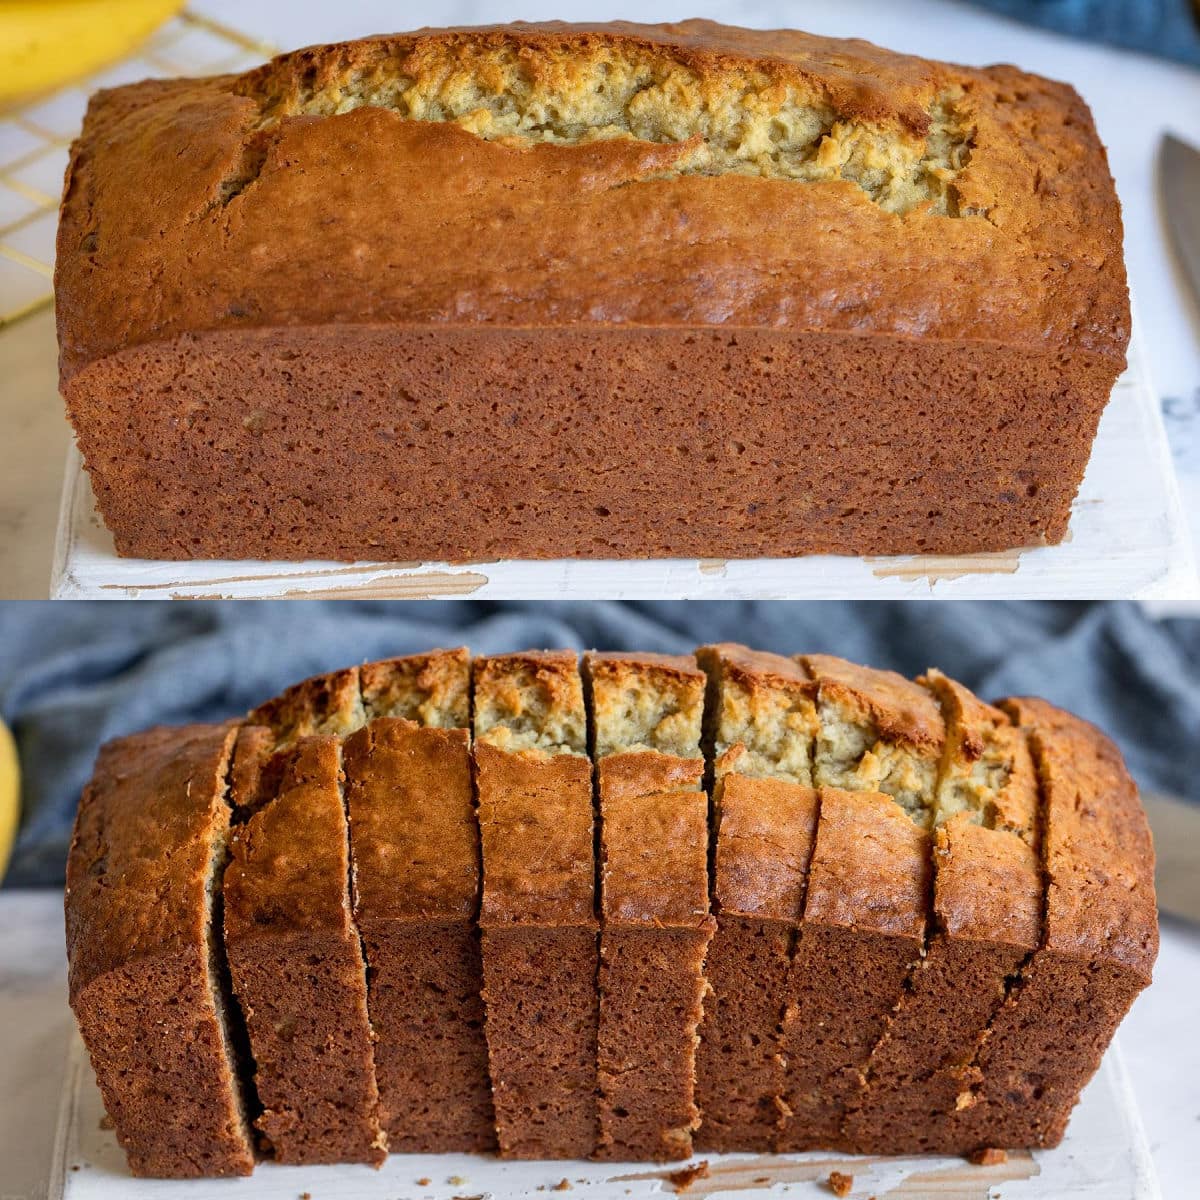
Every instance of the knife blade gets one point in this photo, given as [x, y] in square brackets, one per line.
[1179, 186]
[1175, 825]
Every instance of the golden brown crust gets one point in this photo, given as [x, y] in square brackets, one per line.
[1099, 857]
[535, 824]
[412, 825]
[290, 863]
[901, 710]
[170, 184]
[155, 801]
[764, 844]
[655, 836]
[987, 885]
[870, 866]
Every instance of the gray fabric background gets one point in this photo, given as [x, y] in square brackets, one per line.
[74, 675]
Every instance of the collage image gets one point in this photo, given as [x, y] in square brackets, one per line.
[600, 598]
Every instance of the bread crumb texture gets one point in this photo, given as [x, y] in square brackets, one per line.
[645, 703]
[532, 703]
[734, 117]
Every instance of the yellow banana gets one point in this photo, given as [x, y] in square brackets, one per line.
[47, 43]
[10, 795]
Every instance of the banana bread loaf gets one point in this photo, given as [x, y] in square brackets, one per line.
[931, 914]
[892, 288]
[655, 924]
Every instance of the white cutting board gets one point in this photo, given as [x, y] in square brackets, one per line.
[1103, 1157]
[1127, 540]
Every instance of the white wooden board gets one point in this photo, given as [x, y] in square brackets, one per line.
[1127, 539]
[1103, 1157]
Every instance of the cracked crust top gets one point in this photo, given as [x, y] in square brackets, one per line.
[179, 180]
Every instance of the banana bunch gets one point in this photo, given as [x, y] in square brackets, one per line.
[10, 795]
[47, 43]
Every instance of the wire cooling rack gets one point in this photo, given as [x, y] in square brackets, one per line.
[35, 140]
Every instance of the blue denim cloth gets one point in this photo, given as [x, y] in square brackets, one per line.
[1169, 28]
[74, 675]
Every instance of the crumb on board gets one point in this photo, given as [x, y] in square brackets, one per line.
[306, 1196]
[840, 1184]
[989, 1156]
[686, 1176]
[424, 1181]
[563, 1185]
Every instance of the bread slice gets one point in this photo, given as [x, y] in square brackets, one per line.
[647, 712]
[297, 966]
[876, 757]
[761, 724]
[986, 919]
[538, 916]
[1098, 944]
[415, 849]
[146, 969]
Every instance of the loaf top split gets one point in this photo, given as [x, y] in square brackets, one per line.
[549, 175]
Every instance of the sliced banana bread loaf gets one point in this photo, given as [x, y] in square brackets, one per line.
[931, 913]
[761, 724]
[538, 914]
[143, 910]
[415, 847]
[646, 714]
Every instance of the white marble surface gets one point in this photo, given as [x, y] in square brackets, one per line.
[1161, 1050]
[1135, 100]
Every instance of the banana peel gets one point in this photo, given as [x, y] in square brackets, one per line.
[10, 795]
[45, 44]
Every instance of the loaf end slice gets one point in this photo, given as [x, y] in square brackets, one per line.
[146, 966]
[1098, 946]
